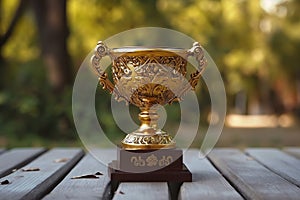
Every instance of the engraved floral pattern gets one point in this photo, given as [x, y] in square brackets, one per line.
[165, 161]
[152, 160]
[138, 161]
[145, 80]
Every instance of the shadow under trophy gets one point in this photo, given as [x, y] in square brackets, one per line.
[145, 77]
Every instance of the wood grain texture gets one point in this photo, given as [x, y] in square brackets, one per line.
[207, 183]
[294, 151]
[16, 158]
[35, 184]
[142, 191]
[279, 162]
[87, 188]
[250, 178]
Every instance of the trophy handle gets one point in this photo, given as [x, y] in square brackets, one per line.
[197, 52]
[102, 50]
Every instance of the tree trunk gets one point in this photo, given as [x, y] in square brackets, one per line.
[53, 31]
[6, 35]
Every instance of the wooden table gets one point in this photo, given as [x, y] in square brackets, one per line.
[227, 173]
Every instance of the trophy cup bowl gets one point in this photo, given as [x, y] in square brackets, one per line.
[145, 77]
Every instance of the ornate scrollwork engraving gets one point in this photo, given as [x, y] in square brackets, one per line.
[147, 139]
[101, 50]
[198, 53]
[146, 80]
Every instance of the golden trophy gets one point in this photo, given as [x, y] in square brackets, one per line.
[145, 77]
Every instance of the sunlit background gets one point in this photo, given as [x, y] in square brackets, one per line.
[255, 44]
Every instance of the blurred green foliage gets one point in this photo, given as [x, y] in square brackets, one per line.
[256, 50]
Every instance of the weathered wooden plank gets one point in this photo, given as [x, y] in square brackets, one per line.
[35, 184]
[16, 158]
[294, 151]
[144, 191]
[279, 162]
[86, 188]
[207, 183]
[250, 178]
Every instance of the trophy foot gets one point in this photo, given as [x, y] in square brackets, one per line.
[141, 141]
[148, 136]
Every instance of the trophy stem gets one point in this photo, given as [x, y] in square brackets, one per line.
[148, 120]
[148, 135]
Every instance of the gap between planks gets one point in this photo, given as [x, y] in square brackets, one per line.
[85, 188]
[35, 184]
[279, 162]
[16, 158]
[250, 178]
[206, 180]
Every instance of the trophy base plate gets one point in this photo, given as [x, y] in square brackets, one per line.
[179, 175]
[164, 165]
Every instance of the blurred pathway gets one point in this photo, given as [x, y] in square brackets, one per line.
[260, 137]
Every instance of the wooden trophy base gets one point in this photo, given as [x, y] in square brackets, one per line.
[164, 165]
